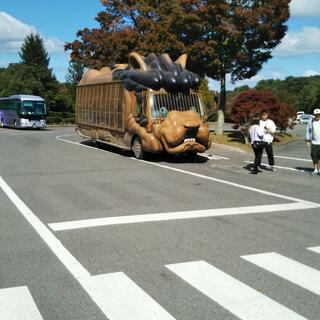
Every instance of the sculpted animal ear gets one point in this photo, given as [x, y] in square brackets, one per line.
[182, 60]
[137, 61]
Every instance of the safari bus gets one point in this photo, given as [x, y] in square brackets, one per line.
[23, 111]
[144, 109]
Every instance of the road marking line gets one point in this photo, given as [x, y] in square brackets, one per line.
[17, 303]
[167, 216]
[54, 244]
[233, 295]
[291, 158]
[277, 195]
[291, 270]
[208, 177]
[95, 288]
[84, 145]
[212, 156]
[314, 249]
[123, 299]
[66, 135]
[279, 167]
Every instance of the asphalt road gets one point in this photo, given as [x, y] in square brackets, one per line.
[91, 233]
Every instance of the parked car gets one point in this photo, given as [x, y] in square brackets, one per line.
[306, 118]
[299, 114]
[296, 120]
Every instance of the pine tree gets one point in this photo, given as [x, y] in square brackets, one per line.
[73, 77]
[34, 66]
[75, 72]
[33, 51]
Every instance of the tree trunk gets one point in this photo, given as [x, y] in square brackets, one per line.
[220, 124]
[246, 139]
[222, 105]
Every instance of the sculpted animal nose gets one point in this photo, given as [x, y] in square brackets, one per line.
[191, 132]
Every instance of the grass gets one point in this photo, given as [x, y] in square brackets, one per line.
[235, 139]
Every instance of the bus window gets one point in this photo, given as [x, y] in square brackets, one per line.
[138, 108]
[33, 107]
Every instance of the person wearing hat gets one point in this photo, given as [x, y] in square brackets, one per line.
[313, 139]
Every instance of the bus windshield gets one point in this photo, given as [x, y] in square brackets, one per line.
[161, 103]
[33, 108]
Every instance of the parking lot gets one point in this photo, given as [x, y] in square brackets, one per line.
[89, 232]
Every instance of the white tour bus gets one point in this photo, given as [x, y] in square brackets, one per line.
[23, 111]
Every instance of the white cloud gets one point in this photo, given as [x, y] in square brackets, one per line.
[310, 73]
[3, 64]
[277, 75]
[305, 8]
[13, 32]
[306, 41]
[54, 45]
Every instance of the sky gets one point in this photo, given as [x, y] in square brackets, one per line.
[58, 22]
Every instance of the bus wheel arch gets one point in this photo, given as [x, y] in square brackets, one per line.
[136, 147]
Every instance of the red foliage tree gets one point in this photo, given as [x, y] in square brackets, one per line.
[249, 103]
[284, 117]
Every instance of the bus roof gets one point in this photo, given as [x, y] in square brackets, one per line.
[26, 97]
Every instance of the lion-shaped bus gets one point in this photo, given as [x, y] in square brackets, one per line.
[151, 104]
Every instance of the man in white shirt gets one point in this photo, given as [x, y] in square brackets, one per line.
[313, 139]
[269, 128]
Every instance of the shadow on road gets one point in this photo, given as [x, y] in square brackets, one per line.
[159, 157]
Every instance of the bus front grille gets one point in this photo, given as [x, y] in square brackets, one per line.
[176, 101]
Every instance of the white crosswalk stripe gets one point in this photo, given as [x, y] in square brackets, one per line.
[314, 249]
[17, 304]
[293, 271]
[233, 295]
[122, 299]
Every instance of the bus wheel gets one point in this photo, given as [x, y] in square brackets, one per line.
[1, 123]
[137, 148]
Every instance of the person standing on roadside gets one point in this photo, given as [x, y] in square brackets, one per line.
[313, 140]
[269, 128]
[256, 138]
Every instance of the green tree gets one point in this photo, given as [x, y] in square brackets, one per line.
[75, 72]
[32, 75]
[236, 38]
[209, 97]
[316, 100]
[304, 102]
[73, 77]
[33, 51]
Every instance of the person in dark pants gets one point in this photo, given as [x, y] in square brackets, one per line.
[269, 128]
[313, 140]
[256, 137]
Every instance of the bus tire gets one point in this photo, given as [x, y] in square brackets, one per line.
[1, 123]
[137, 148]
